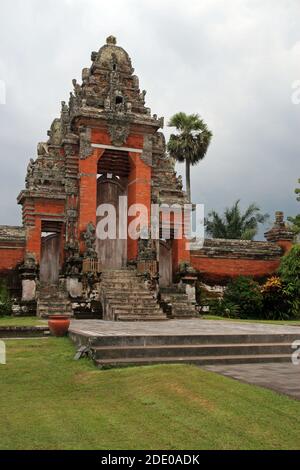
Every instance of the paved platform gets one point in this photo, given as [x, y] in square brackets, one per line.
[177, 327]
[192, 341]
[283, 378]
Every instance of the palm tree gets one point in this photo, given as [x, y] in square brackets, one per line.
[235, 225]
[190, 144]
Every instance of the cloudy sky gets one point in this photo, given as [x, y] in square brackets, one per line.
[232, 61]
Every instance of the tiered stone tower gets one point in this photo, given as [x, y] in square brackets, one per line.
[105, 145]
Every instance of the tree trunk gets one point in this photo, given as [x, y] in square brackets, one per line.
[188, 178]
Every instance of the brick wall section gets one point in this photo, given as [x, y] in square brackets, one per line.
[220, 260]
[10, 257]
[43, 209]
[88, 189]
[12, 247]
[218, 270]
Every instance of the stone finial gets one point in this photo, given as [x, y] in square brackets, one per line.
[111, 40]
[280, 231]
[279, 219]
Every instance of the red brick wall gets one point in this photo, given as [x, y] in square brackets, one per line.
[10, 257]
[88, 189]
[218, 269]
[43, 209]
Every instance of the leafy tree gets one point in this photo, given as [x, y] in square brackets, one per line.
[295, 223]
[234, 224]
[297, 191]
[190, 144]
[289, 272]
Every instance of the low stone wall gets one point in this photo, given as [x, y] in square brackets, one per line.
[220, 260]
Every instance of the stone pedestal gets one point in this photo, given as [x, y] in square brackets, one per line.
[28, 290]
[74, 287]
[189, 284]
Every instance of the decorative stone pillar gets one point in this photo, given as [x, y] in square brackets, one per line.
[280, 233]
[29, 278]
[188, 279]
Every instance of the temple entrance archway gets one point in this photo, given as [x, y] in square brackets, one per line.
[113, 170]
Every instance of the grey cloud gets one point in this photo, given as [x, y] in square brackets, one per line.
[232, 61]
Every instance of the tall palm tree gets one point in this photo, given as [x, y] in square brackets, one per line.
[234, 224]
[190, 144]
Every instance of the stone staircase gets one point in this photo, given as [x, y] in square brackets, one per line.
[176, 303]
[52, 301]
[125, 297]
[124, 350]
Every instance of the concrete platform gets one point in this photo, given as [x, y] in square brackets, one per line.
[192, 341]
[282, 378]
[99, 328]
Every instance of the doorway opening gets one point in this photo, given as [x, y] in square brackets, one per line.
[113, 172]
[50, 252]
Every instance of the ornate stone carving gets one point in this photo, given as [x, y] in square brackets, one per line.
[147, 150]
[111, 40]
[55, 133]
[86, 149]
[42, 149]
[119, 133]
[89, 236]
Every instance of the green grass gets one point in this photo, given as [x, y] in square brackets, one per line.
[21, 321]
[269, 322]
[50, 401]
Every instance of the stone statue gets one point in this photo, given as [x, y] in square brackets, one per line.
[77, 88]
[142, 96]
[90, 239]
[179, 183]
[107, 103]
[42, 149]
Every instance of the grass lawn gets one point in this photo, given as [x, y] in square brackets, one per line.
[21, 321]
[50, 401]
[272, 322]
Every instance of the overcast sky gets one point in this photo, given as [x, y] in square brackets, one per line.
[231, 61]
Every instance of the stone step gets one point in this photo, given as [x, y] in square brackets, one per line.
[115, 352]
[200, 361]
[126, 298]
[197, 340]
[140, 317]
[128, 309]
[129, 294]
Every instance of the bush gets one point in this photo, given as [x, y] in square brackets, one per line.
[5, 300]
[224, 309]
[244, 295]
[275, 300]
[289, 272]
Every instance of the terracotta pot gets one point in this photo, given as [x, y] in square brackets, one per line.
[58, 324]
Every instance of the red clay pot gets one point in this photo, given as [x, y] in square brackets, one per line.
[58, 324]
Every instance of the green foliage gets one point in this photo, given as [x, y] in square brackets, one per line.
[223, 308]
[5, 300]
[234, 224]
[289, 272]
[192, 140]
[275, 300]
[191, 143]
[295, 223]
[297, 191]
[245, 294]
